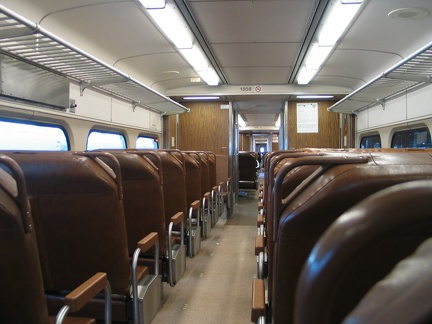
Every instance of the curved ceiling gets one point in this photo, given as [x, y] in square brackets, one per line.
[252, 43]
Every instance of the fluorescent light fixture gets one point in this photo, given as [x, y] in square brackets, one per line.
[169, 20]
[351, 1]
[335, 21]
[153, 4]
[196, 58]
[314, 97]
[316, 56]
[201, 98]
[209, 76]
[305, 76]
[241, 121]
[337, 18]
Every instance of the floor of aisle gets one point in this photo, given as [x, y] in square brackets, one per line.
[216, 286]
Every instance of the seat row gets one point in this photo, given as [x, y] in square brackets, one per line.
[121, 213]
[248, 165]
[304, 192]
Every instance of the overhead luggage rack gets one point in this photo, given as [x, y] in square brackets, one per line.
[415, 70]
[29, 42]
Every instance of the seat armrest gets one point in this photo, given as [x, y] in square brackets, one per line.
[81, 295]
[258, 300]
[147, 242]
[86, 291]
[260, 205]
[177, 218]
[195, 204]
[260, 220]
[259, 244]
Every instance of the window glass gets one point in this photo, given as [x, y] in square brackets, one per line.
[25, 136]
[371, 141]
[415, 138]
[105, 140]
[147, 142]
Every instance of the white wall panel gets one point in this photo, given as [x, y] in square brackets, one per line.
[155, 122]
[92, 104]
[363, 121]
[420, 103]
[394, 111]
[103, 107]
[123, 113]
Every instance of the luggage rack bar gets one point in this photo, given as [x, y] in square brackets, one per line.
[29, 42]
[414, 70]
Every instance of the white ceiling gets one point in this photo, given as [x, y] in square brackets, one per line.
[252, 43]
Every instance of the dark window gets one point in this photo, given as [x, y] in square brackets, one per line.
[371, 141]
[418, 138]
[16, 135]
[105, 140]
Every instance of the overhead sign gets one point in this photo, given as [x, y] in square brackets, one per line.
[251, 89]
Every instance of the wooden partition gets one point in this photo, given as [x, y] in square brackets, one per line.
[244, 142]
[328, 128]
[204, 128]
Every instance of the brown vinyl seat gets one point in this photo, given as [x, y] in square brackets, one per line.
[402, 296]
[363, 246]
[303, 216]
[273, 161]
[77, 206]
[216, 188]
[171, 163]
[143, 203]
[264, 246]
[248, 170]
[193, 200]
[23, 296]
[206, 189]
[222, 177]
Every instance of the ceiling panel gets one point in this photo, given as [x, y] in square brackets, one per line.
[256, 54]
[257, 75]
[260, 119]
[252, 43]
[252, 21]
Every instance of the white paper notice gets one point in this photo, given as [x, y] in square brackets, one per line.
[307, 117]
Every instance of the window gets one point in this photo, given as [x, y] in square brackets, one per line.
[16, 135]
[105, 140]
[371, 141]
[415, 138]
[147, 142]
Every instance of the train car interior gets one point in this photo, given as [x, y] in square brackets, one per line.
[215, 161]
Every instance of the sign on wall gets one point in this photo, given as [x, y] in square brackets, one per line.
[307, 117]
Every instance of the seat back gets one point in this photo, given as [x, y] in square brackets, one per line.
[143, 198]
[212, 168]
[305, 214]
[360, 248]
[205, 173]
[77, 207]
[174, 182]
[222, 177]
[22, 299]
[402, 296]
[193, 177]
[248, 173]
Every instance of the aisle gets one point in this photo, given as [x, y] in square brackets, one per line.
[216, 287]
